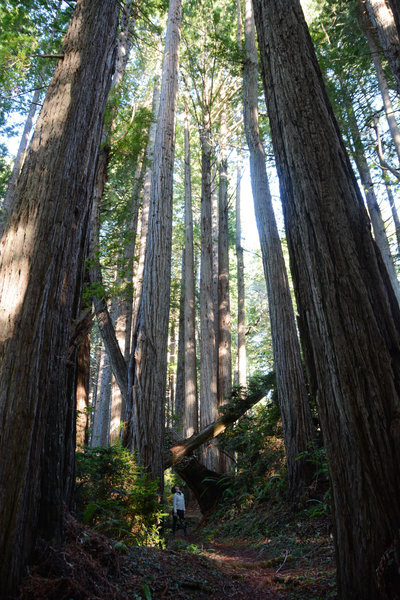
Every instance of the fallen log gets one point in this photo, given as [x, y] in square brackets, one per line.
[240, 404]
[208, 486]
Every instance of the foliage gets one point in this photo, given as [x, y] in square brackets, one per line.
[5, 173]
[28, 30]
[255, 441]
[116, 498]
[318, 505]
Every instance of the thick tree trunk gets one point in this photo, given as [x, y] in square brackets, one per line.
[39, 270]
[348, 310]
[298, 431]
[224, 314]
[129, 412]
[190, 375]
[151, 331]
[208, 367]
[382, 18]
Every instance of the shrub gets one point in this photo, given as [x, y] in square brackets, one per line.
[115, 497]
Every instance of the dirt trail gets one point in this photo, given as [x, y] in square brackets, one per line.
[244, 564]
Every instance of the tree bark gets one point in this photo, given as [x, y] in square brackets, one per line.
[224, 314]
[349, 313]
[151, 331]
[129, 413]
[208, 367]
[101, 416]
[179, 400]
[41, 251]
[106, 326]
[298, 430]
[82, 392]
[382, 18]
[241, 316]
[395, 6]
[107, 330]
[190, 375]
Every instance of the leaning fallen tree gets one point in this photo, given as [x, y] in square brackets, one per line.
[208, 486]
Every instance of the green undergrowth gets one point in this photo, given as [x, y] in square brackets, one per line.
[293, 542]
[292, 545]
[115, 497]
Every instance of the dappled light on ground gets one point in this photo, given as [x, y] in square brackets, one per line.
[285, 566]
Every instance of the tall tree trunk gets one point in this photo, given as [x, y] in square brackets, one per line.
[393, 209]
[208, 367]
[372, 203]
[171, 361]
[129, 412]
[295, 410]
[241, 316]
[120, 311]
[349, 314]
[387, 103]
[137, 286]
[224, 313]
[106, 326]
[382, 18]
[39, 270]
[151, 331]
[101, 416]
[191, 397]
[179, 401]
[117, 361]
[82, 392]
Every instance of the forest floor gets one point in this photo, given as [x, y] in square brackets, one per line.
[292, 560]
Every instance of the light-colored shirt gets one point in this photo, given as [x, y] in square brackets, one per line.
[178, 501]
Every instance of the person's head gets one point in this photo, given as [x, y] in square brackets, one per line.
[175, 489]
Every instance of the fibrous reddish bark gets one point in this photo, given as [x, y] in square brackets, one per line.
[41, 270]
[349, 316]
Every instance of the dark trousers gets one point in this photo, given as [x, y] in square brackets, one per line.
[181, 515]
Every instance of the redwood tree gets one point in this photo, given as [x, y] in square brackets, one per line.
[297, 425]
[42, 250]
[151, 330]
[349, 316]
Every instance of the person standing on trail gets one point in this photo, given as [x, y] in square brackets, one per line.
[178, 509]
